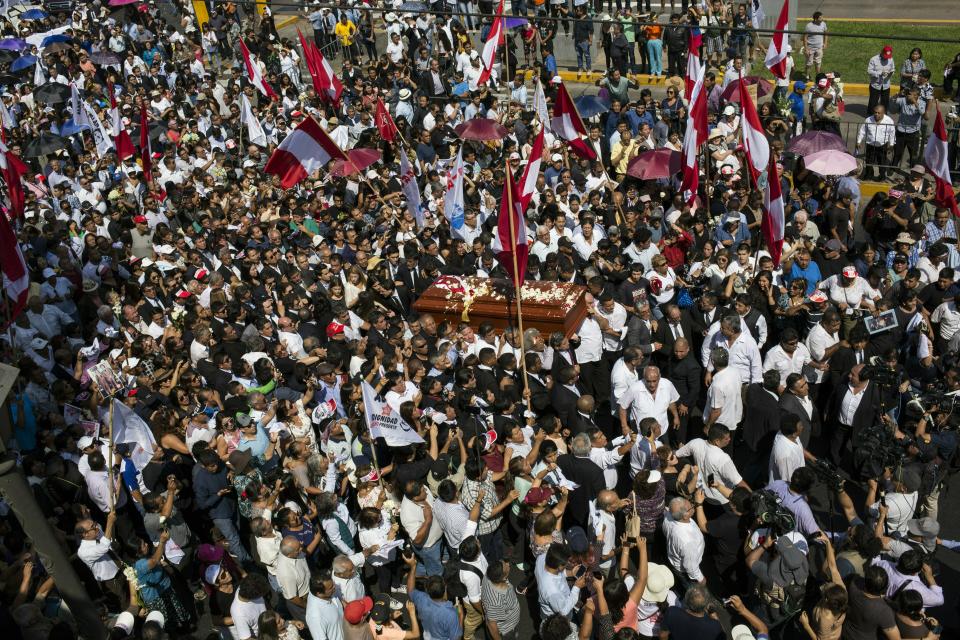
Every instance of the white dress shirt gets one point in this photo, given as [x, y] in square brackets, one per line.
[850, 404]
[98, 487]
[685, 546]
[713, 461]
[818, 342]
[618, 322]
[786, 457]
[744, 354]
[621, 377]
[725, 393]
[877, 134]
[96, 555]
[787, 363]
[641, 404]
[591, 341]
[607, 459]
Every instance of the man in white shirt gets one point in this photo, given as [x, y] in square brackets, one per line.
[324, 609]
[744, 353]
[624, 374]
[685, 543]
[822, 342]
[416, 517]
[946, 318]
[650, 398]
[788, 453]
[714, 463]
[95, 552]
[47, 319]
[725, 393]
[594, 372]
[604, 523]
[877, 136]
[293, 575]
[616, 317]
[608, 459]
[790, 356]
[473, 567]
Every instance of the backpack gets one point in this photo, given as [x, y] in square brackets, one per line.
[451, 575]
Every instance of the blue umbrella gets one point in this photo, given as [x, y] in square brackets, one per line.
[69, 128]
[13, 44]
[33, 14]
[23, 62]
[58, 37]
[590, 106]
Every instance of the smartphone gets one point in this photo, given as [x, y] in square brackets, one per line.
[581, 571]
[598, 575]
[710, 480]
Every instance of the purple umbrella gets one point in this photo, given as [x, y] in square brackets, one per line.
[13, 44]
[813, 141]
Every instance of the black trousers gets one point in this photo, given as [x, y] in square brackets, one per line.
[876, 157]
[909, 142]
[878, 96]
[676, 63]
[595, 378]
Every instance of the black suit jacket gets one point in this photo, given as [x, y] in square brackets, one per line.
[589, 476]
[486, 381]
[539, 395]
[216, 378]
[842, 361]
[699, 322]
[580, 423]
[664, 334]
[564, 402]
[811, 426]
[867, 414]
[761, 419]
[686, 375]
[425, 83]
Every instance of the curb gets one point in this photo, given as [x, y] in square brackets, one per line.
[286, 22]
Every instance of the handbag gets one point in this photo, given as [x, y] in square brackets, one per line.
[633, 524]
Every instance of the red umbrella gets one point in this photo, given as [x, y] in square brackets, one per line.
[650, 165]
[481, 129]
[358, 160]
[732, 92]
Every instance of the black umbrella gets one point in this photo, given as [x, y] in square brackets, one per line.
[104, 58]
[52, 93]
[7, 80]
[44, 144]
[157, 130]
[7, 56]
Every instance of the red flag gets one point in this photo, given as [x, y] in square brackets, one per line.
[325, 81]
[13, 170]
[512, 243]
[937, 161]
[121, 139]
[696, 136]
[16, 279]
[254, 75]
[528, 183]
[305, 150]
[495, 39]
[385, 124]
[773, 213]
[776, 59]
[145, 143]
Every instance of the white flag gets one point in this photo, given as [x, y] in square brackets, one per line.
[255, 132]
[101, 136]
[80, 117]
[756, 14]
[540, 105]
[7, 121]
[453, 199]
[411, 189]
[386, 423]
[129, 428]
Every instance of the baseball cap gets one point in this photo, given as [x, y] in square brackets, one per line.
[49, 273]
[440, 468]
[211, 573]
[536, 495]
[556, 158]
[140, 219]
[834, 245]
[741, 632]
[849, 272]
[799, 86]
[334, 328]
[888, 52]
[354, 611]
[818, 296]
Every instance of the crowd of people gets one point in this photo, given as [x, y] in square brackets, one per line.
[725, 446]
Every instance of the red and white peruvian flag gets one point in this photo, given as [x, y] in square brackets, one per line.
[773, 213]
[332, 87]
[694, 63]
[145, 142]
[121, 139]
[566, 124]
[528, 183]
[511, 244]
[754, 140]
[307, 149]
[253, 73]
[16, 278]
[937, 162]
[776, 59]
[495, 39]
[696, 136]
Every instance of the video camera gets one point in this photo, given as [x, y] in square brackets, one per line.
[877, 449]
[766, 508]
[880, 374]
[828, 474]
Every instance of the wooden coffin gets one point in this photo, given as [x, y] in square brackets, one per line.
[547, 306]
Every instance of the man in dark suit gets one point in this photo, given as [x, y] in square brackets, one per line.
[845, 358]
[484, 372]
[703, 314]
[761, 421]
[564, 354]
[675, 324]
[578, 467]
[796, 400]
[582, 419]
[539, 383]
[685, 373]
[639, 334]
[854, 406]
[565, 394]
[394, 298]
[434, 82]
[217, 373]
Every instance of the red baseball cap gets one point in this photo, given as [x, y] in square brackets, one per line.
[334, 328]
[888, 52]
[140, 219]
[354, 611]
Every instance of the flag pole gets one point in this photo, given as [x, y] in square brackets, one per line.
[517, 281]
[110, 463]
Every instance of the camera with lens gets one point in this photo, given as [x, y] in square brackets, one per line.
[767, 509]
[877, 449]
[828, 475]
[880, 374]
